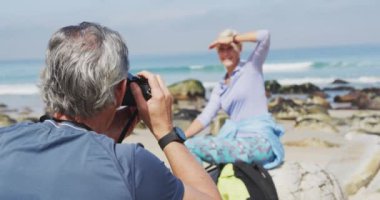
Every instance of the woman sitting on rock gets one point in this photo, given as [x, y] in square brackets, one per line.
[250, 134]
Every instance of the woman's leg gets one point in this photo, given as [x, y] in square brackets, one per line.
[221, 150]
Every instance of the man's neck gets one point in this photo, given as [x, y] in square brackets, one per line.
[63, 117]
[93, 123]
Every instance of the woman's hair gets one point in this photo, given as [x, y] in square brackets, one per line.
[84, 63]
[230, 33]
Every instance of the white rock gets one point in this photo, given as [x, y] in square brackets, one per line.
[358, 163]
[374, 186]
[298, 181]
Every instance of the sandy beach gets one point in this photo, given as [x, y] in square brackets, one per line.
[341, 156]
[331, 152]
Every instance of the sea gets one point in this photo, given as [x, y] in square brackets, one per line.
[358, 64]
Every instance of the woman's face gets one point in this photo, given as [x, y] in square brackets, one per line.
[228, 56]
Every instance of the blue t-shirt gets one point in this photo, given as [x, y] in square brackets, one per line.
[62, 161]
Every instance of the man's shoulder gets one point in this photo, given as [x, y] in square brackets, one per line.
[131, 151]
[14, 126]
[151, 178]
[135, 154]
[20, 128]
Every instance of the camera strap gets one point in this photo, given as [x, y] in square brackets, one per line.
[81, 125]
[122, 134]
[127, 126]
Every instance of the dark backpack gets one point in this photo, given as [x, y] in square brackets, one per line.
[257, 180]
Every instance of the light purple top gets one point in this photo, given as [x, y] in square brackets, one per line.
[245, 96]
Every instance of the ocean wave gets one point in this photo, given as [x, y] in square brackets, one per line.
[196, 67]
[181, 68]
[268, 68]
[281, 67]
[307, 65]
[287, 67]
[365, 79]
[324, 81]
[20, 89]
[344, 64]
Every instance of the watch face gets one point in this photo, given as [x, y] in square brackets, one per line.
[180, 133]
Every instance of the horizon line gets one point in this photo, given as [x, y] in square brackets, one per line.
[205, 51]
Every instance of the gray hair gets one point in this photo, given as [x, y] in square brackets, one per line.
[84, 63]
[230, 33]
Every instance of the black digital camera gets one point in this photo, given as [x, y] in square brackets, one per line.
[144, 86]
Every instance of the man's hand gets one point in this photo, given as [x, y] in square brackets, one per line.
[157, 111]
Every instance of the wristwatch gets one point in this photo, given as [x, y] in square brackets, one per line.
[176, 135]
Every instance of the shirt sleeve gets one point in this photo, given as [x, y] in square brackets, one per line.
[212, 107]
[260, 53]
[153, 180]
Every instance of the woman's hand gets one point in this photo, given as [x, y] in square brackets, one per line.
[157, 111]
[221, 40]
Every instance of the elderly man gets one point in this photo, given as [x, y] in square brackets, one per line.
[73, 154]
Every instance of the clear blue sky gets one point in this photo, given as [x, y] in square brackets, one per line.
[173, 26]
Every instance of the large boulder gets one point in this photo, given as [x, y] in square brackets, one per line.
[187, 90]
[25, 111]
[318, 100]
[186, 114]
[193, 104]
[321, 122]
[368, 98]
[183, 117]
[315, 109]
[285, 109]
[347, 98]
[304, 181]
[366, 122]
[306, 88]
[374, 103]
[4, 109]
[374, 98]
[356, 98]
[339, 88]
[218, 122]
[2, 106]
[5, 120]
[339, 81]
[372, 91]
[272, 86]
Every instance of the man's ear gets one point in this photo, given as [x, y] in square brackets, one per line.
[120, 91]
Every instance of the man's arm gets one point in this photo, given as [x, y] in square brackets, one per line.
[198, 184]
[157, 115]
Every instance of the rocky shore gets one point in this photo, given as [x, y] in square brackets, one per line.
[332, 138]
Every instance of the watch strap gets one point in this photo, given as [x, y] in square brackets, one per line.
[170, 137]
